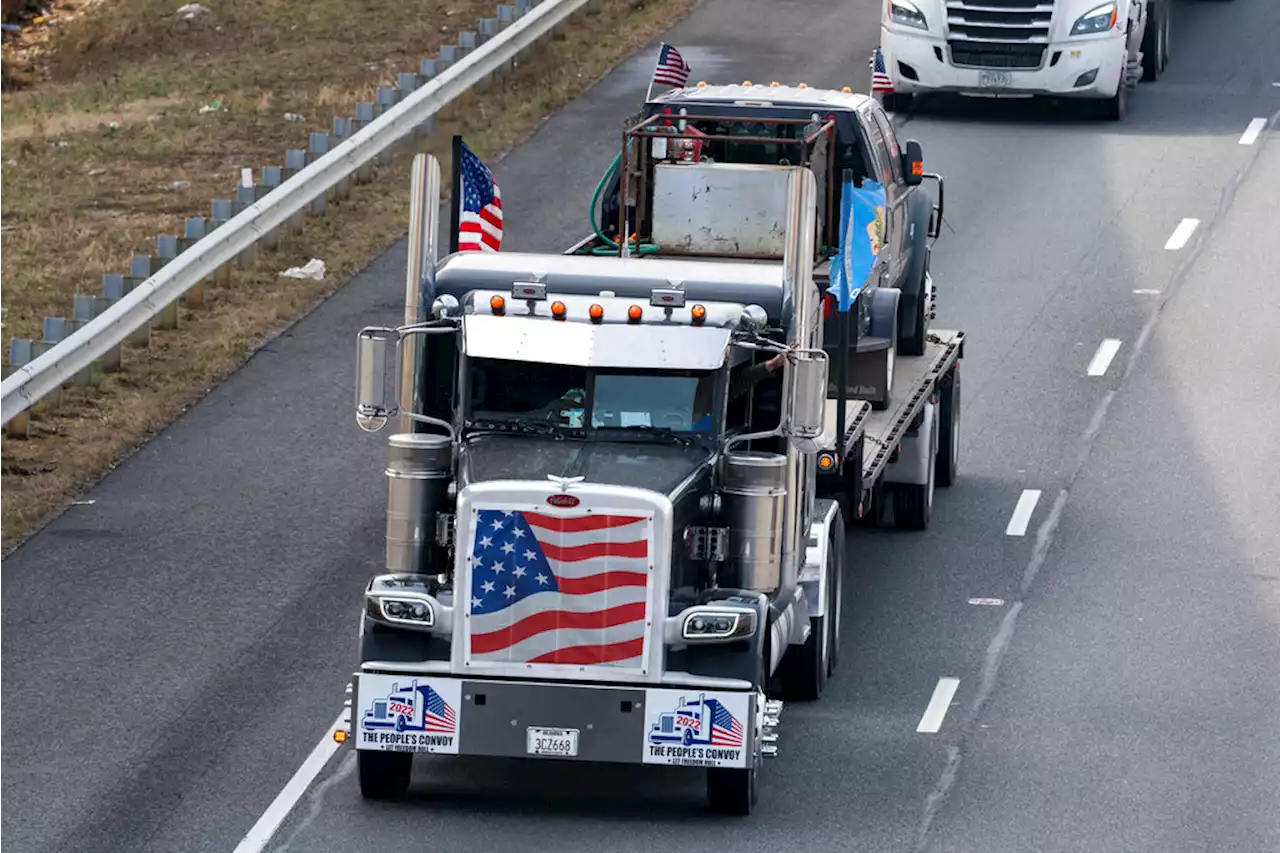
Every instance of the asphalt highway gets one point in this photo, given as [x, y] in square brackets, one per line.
[1103, 580]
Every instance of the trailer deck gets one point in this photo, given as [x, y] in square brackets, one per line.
[914, 378]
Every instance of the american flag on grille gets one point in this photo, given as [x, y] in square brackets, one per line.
[438, 715]
[671, 70]
[480, 222]
[725, 728]
[880, 81]
[558, 589]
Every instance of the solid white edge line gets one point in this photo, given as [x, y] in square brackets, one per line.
[1252, 132]
[263, 831]
[1102, 358]
[939, 704]
[1181, 234]
[1022, 512]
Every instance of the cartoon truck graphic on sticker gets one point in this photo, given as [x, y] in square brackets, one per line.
[417, 708]
[700, 721]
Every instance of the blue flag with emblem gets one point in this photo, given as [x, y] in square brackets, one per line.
[861, 236]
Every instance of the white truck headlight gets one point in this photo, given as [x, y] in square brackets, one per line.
[710, 624]
[1097, 20]
[907, 14]
[400, 600]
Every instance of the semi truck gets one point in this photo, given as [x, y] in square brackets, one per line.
[1096, 50]
[605, 494]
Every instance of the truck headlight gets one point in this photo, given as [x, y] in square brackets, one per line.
[709, 624]
[908, 14]
[400, 600]
[1096, 20]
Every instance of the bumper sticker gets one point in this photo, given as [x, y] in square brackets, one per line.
[697, 728]
[404, 713]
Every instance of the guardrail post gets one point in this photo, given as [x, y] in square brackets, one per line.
[317, 148]
[220, 212]
[193, 232]
[246, 196]
[295, 160]
[364, 115]
[406, 83]
[427, 70]
[166, 250]
[448, 56]
[507, 15]
[84, 309]
[54, 399]
[341, 131]
[55, 331]
[19, 354]
[21, 425]
[272, 177]
[466, 43]
[114, 288]
[388, 97]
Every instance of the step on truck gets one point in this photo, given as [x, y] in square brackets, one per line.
[619, 483]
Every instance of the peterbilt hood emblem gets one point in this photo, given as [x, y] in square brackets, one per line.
[563, 501]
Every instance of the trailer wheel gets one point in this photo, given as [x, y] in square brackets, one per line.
[912, 503]
[384, 775]
[732, 790]
[948, 456]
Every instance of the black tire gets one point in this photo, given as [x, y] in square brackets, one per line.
[898, 102]
[1165, 51]
[834, 603]
[1153, 41]
[894, 348]
[732, 790]
[947, 460]
[1115, 107]
[913, 504]
[913, 320]
[384, 775]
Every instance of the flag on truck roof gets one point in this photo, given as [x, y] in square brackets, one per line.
[672, 69]
[566, 589]
[880, 81]
[480, 222]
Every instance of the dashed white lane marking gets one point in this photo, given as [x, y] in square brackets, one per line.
[940, 702]
[1146, 291]
[1102, 358]
[284, 802]
[1252, 132]
[1022, 512]
[1181, 234]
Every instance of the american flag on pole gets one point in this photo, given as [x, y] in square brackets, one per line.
[557, 589]
[480, 222]
[672, 69]
[880, 82]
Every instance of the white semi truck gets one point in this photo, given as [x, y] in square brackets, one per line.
[1086, 49]
[614, 533]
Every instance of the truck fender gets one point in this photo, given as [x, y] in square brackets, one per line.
[814, 578]
[918, 451]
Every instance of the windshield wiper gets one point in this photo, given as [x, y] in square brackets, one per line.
[536, 427]
[683, 436]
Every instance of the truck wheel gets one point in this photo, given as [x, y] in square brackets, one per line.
[913, 504]
[886, 304]
[898, 102]
[836, 590]
[1114, 108]
[732, 790]
[947, 460]
[384, 775]
[1153, 41]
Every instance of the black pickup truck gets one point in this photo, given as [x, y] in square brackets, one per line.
[864, 146]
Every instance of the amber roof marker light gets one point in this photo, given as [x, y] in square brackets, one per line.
[596, 312]
[498, 305]
[557, 310]
[699, 314]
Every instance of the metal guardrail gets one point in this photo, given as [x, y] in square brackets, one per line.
[131, 308]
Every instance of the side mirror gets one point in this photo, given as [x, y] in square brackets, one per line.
[806, 394]
[371, 380]
[912, 163]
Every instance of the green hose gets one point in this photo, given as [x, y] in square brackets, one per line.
[610, 246]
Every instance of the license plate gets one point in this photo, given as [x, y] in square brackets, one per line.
[552, 741]
[995, 79]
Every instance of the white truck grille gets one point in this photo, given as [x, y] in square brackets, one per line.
[998, 33]
[558, 588]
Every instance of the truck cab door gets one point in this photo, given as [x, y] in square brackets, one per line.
[882, 146]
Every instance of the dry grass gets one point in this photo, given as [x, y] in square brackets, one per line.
[76, 210]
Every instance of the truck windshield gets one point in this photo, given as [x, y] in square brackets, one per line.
[532, 394]
[675, 400]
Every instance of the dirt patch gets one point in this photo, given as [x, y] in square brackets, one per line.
[81, 194]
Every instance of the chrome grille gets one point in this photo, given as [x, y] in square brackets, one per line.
[998, 33]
